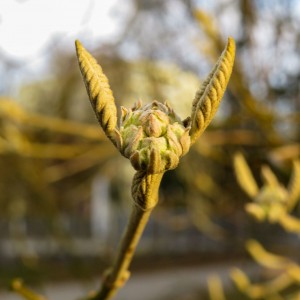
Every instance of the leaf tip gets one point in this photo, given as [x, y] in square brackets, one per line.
[230, 47]
[78, 46]
[208, 97]
[231, 43]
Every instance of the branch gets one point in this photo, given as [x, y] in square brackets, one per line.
[145, 195]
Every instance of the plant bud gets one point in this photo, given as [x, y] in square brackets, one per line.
[269, 195]
[154, 137]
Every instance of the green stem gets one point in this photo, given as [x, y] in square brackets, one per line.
[145, 195]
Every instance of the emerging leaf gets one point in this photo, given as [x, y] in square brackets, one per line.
[240, 279]
[269, 177]
[264, 257]
[208, 97]
[99, 91]
[244, 175]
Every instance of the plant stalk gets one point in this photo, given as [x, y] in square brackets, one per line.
[116, 277]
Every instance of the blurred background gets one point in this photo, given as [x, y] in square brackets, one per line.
[64, 189]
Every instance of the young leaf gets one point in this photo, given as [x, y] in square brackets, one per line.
[265, 258]
[99, 91]
[208, 97]
[269, 177]
[244, 175]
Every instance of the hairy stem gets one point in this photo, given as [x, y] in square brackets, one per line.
[145, 195]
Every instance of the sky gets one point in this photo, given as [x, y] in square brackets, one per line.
[27, 26]
[30, 28]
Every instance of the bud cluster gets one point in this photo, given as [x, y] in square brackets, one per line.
[153, 137]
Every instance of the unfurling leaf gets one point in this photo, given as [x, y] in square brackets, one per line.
[244, 175]
[269, 177]
[99, 91]
[208, 97]
[215, 288]
[240, 279]
[290, 223]
[264, 257]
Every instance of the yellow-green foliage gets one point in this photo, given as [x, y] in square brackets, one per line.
[272, 202]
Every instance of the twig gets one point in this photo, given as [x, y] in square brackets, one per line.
[18, 286]
[145, 194]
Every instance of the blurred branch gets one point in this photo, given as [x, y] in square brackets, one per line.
[255, 107]
[266, 258]
[11, 110]
[261, 291]
[215, 288]
[272, 202]
[78, 164]
[289, 274]
[285, 153]
[232, 137]
[18, 286]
